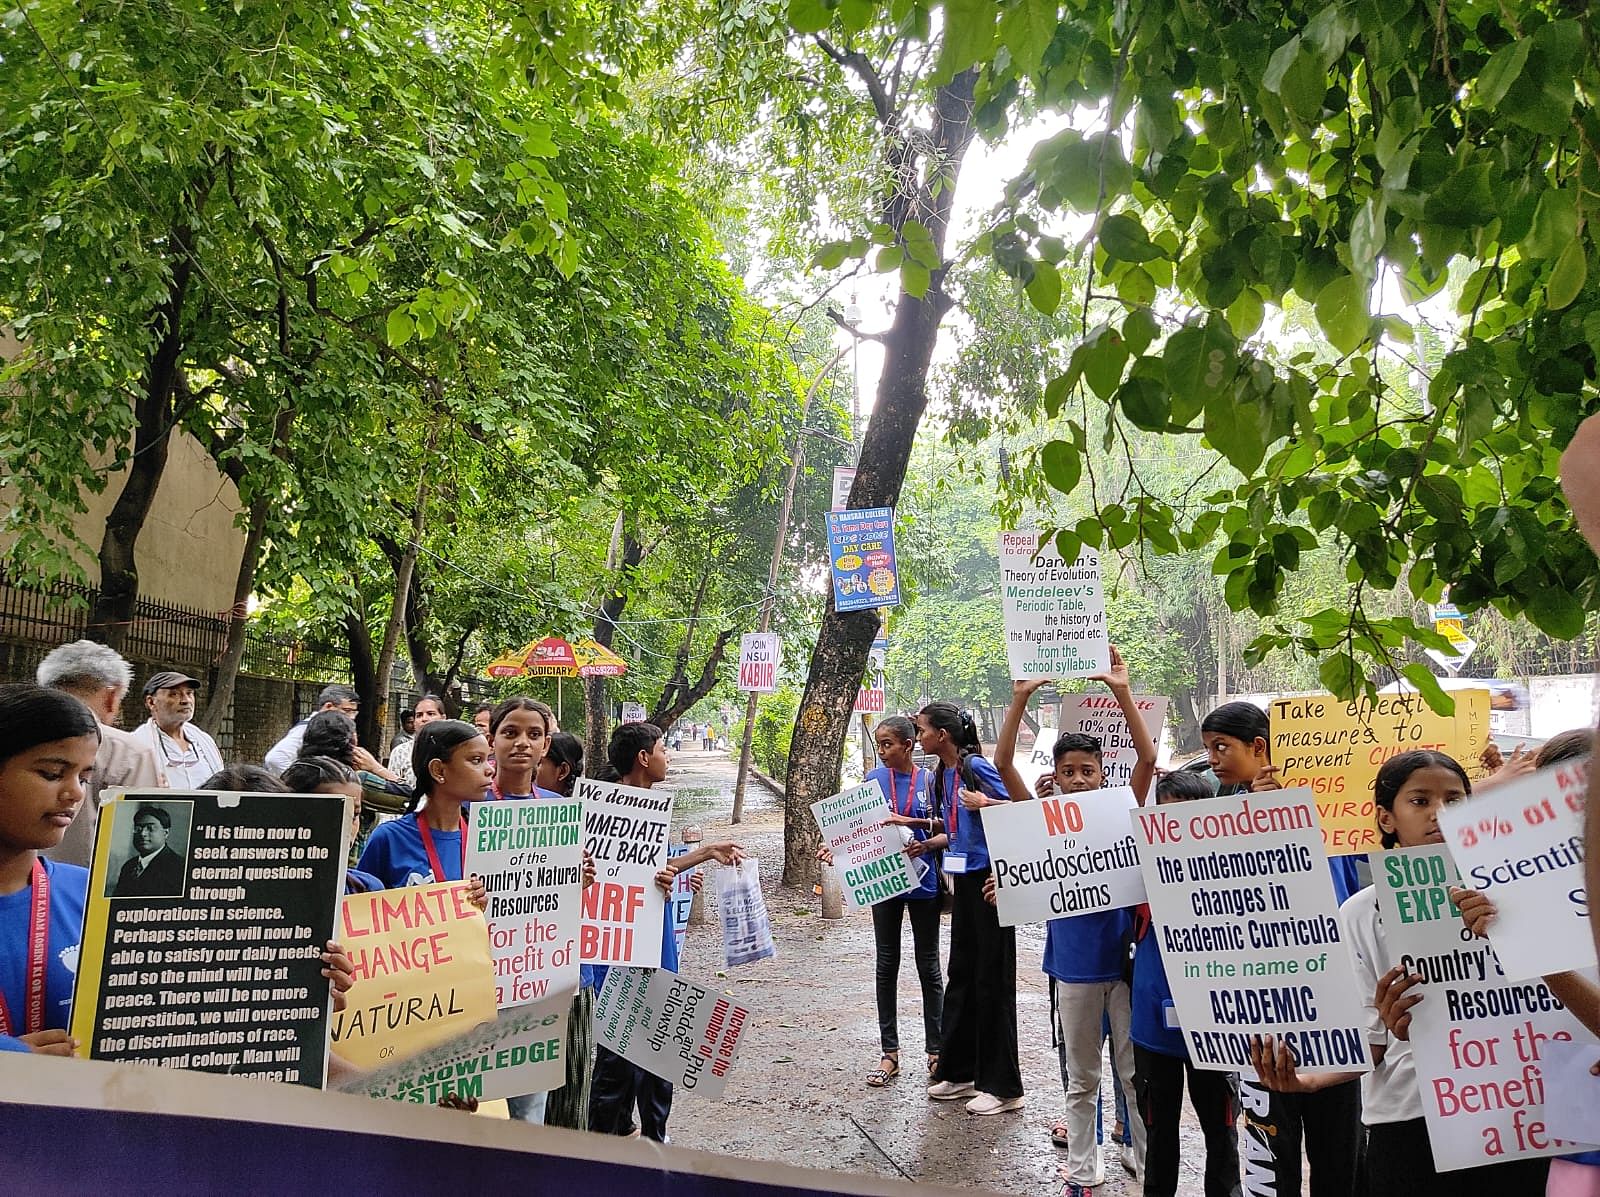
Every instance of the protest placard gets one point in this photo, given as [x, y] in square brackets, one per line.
[671, 1027]
[420, 960]
[1055, 613]
[746, 929]
[844, 477]
[1572, 1091]
[517, 1052]
[626, 831]
[206, 918]
[1064, 855]
[1478, 1038]
[1100, 716]
[633, 712]
[1522, 844]
[1243, 903]
[529, 854]
[760, 656]
[870, 857]
[861, 550]
[682, 896]
[1334, 748]
[872, 697]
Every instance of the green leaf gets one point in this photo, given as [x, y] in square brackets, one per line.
[809, 16]
[919, 244]
[1103, 362]
[915, 279]
[1341, 675]
[1026, 29]
[1435, 695]
[399, 328]
[1440, 496]
[1367, 234]
[1501, 71]
[1200, 363]
[1555, 224]
[1566, 280]
[1044, 288]
[1246, 313]
[1556, 612]
[1146, 403]
[969, 32]
[831, 256]
[1236, 430]
[1124, 238]
[1300, 81]
[1342, 312]
[1062, 465]
[1138, 330]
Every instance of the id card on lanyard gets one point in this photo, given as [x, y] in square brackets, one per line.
[954, 862]
[38, 959]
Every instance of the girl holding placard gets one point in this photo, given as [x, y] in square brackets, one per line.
[978, 1056]
[1410, 791]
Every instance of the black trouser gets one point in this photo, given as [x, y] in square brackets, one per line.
[1400, 1160]
[1158, 1082]
[979, 1040]
[886, 921]
[618, 1085]
[1328, 1120]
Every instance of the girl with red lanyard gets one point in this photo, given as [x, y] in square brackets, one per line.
[48, 741]
[428, 843]
[905, 788]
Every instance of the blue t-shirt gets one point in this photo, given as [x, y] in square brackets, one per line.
[395, 855]
[1087, 948]
[966, 826]
[1152, 999]
[357, 882]
[68, 886]
[898, 792]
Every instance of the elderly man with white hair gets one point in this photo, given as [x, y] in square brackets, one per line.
[99, 678]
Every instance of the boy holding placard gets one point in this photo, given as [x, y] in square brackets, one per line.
[1085, 956]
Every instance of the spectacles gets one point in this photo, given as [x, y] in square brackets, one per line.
[349, 708]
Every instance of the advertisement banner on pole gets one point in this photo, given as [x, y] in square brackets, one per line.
[1055, 611]
[861, 553]
[760, 657]
[844, 477]
[633, 712]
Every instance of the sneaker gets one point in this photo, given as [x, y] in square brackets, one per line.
[950, 1090]
[1073, 1189]
[988, 1103]
[1130, 1162]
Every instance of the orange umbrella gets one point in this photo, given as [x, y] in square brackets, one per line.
[555, 657]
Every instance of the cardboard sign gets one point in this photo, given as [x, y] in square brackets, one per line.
[671, 1028]
[844, 477]
[518, 1052]
[1243, 902]
[203, 932]
[420, 958]
[682, 896]
[1522, 844]
[634, 712]
[1476, 1032]
[1055, 611]
[529, 853]
[1334, 749]
[873, 694]
[1098, 715]
[626, 832]
[861, 552]
[760, 657]
[870, 857]
[1064, 855]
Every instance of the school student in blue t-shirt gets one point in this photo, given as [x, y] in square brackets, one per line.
[48, 741]
[978, 1030]
[1085, 955]
[637, 755]
[1161, 1061]
[905, 787]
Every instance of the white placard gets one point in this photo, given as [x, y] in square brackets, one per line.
[1474, 1032]
[520, 1052]
[626, 831]
[671, 1028]
[870, 857]
[1055, 612]
[760, 656]
[1243, 903]
[844, 477]
[1099, 715]
[529, 854]
[1522, 844]
[634, 712]
[1065, 855]
[1572, 1091]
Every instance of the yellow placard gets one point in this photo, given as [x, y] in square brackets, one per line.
[422, 968]
[1335, 748]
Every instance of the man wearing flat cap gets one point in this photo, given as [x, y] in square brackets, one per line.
[186, 754]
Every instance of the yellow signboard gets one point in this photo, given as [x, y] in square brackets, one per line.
[1335, 748]
[423, 973]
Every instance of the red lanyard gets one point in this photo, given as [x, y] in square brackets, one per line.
[433, 855]
[911, 792]
[38, 962]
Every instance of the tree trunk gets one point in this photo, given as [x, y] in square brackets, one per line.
[221, 697]
[364, 676]
[596, 712]
[685, 695]
[844, 641]
[402, 590]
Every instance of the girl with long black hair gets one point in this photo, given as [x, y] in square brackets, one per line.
[978, 1051]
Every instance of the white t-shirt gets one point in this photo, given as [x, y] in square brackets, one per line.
[184, 770]
[400, 762]
[1389, 1092]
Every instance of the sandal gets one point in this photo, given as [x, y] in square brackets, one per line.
[933, 1063]
[1058, 1134]
[881, 1076]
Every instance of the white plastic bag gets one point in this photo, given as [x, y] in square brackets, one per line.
[746, 929]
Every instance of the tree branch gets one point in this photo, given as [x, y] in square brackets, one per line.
[861, 66]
